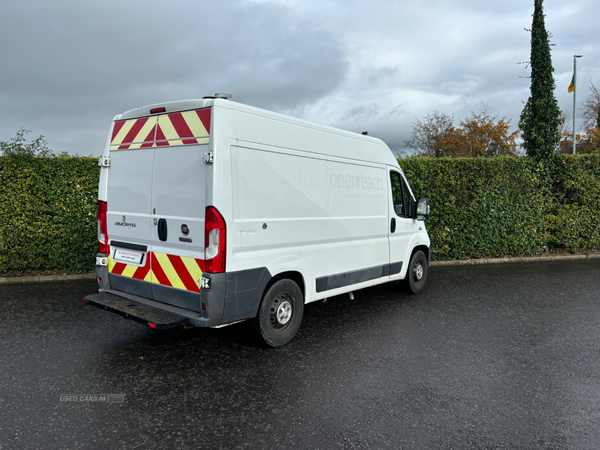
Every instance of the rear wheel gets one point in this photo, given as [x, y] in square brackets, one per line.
[416, 274]
[280, 313]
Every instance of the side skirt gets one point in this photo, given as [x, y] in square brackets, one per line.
[339, 280]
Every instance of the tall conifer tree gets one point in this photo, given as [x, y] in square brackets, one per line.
[540, 119]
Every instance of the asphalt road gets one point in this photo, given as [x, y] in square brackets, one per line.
[498, 356]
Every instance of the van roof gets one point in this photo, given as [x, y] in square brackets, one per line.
[185, 105]
[179, 105]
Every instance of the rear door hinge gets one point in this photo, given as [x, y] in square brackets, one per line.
[208, 158]
[104, 161]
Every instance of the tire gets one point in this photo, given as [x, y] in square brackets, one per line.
[280, 313]
[416, 274]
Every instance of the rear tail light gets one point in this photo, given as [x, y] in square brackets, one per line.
[102, 234]
[215, 241]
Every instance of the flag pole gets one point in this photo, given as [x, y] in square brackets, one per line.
[575, 98]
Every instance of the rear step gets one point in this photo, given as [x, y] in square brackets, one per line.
[130, 309]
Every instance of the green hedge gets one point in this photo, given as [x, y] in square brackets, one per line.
[480, 207]
[573, 223]
[48, 209]
[507, 206]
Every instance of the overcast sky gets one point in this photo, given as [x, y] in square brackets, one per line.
[68, 67]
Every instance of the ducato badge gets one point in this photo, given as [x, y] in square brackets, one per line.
[124, 223]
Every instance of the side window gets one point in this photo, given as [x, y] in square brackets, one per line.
[403, 204]
[397, 193]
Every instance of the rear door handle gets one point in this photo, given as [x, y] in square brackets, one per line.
[162, 229]
[393, 225]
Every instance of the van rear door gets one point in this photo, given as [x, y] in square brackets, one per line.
[156, 201]
[129, 204]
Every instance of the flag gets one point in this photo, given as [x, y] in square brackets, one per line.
[572, 85]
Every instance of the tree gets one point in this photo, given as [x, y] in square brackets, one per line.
[479, 135]
[540, 118]
[17, 146]
[434, 136]
[484, 135]
[590, 141]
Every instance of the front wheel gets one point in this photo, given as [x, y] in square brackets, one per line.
[280, 313]
[416, 274]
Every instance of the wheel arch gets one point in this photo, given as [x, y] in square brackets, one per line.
[425, 249]
[293, 275]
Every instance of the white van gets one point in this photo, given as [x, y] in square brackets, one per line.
[211, 212]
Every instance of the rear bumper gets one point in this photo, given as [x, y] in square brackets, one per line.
[232, 296]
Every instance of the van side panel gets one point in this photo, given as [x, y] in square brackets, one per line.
[309, 199]
[281, 210]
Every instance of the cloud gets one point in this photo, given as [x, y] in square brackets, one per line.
[74, 68]
[69, 67]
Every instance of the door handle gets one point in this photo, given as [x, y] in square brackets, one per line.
[393, 225]
[162, 229]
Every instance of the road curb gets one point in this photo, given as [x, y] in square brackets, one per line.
[46, 278]
[518, 259]
[454, 262]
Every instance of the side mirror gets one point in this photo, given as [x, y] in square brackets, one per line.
[422, 210]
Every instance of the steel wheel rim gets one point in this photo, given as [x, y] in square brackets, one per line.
[418, 271]
[281, 311]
